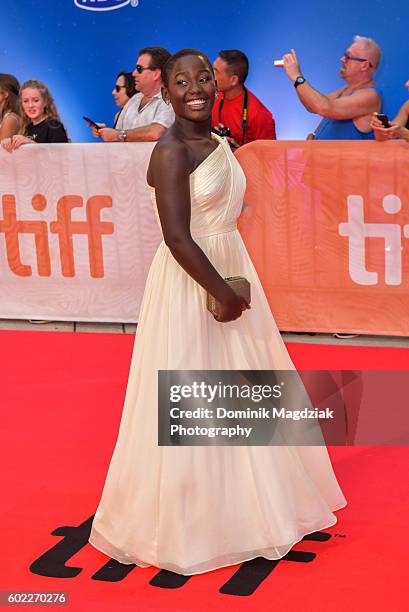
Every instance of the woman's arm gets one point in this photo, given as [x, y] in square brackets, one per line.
[169, 171]
[10, 126]
[14, 142]
[402, 117]
[398, 126]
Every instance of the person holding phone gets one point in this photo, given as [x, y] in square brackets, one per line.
[122, 92]
[397, 128]
[145, 117]
[40, 119]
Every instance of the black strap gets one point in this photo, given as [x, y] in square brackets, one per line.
[244, 113]
[117, 117]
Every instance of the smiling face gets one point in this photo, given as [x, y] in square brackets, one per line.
[33, 104]
[191, 88]
[121, 97]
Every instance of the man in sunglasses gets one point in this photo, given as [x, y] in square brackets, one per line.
[145, 117]
[346, 113]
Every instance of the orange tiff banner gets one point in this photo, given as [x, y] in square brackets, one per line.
[327, 227]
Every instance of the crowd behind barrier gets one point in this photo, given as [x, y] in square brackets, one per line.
[78, 232]
[349, 113]
[30, 115]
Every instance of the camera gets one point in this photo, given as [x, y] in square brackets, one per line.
[224, 131]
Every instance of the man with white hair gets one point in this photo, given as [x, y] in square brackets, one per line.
[346, 113]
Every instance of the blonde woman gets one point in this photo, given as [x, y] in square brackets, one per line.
[10, 120]
[40, 120]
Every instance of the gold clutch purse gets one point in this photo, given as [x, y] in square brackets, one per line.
[239, 284]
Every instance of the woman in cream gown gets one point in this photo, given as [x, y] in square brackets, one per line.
[194, 509]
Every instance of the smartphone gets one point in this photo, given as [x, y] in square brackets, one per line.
[384, 120]
[92, 123]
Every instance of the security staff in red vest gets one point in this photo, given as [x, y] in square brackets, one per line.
[236, 108]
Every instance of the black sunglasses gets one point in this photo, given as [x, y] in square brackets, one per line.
[139, 69]
[119, 87]
[355, 59]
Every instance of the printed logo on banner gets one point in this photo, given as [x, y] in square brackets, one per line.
[357, 230]
[104, 5]
[64, 227]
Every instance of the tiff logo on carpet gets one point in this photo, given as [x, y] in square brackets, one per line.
[244, 581]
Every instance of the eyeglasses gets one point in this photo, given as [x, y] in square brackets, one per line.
[119, 87]
[355, 59]
[139, 69]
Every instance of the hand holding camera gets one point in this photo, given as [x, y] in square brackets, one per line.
[224, 132]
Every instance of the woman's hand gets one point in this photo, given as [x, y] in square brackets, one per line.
[14, 142]
[232, 310]
[95, 132]
[383, 133]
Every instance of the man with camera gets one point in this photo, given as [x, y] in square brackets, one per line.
[346, 113]
[237, 113]
[145, 117]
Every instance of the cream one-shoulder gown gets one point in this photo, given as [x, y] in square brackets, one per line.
[194, 509]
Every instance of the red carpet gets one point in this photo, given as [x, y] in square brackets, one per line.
[62, 396]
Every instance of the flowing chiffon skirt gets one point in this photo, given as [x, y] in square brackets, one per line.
[194, 509]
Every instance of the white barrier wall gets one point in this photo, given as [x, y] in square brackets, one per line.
[77, 231]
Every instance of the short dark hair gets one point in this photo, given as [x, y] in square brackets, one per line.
[129, 82]
[174, 58]
[159, 56]
[237, 62]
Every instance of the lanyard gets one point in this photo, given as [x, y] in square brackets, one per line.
[244, 113]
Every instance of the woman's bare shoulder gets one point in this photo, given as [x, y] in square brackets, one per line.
[170, 145]
[11, 118]
[10, 125]
[170, 155]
